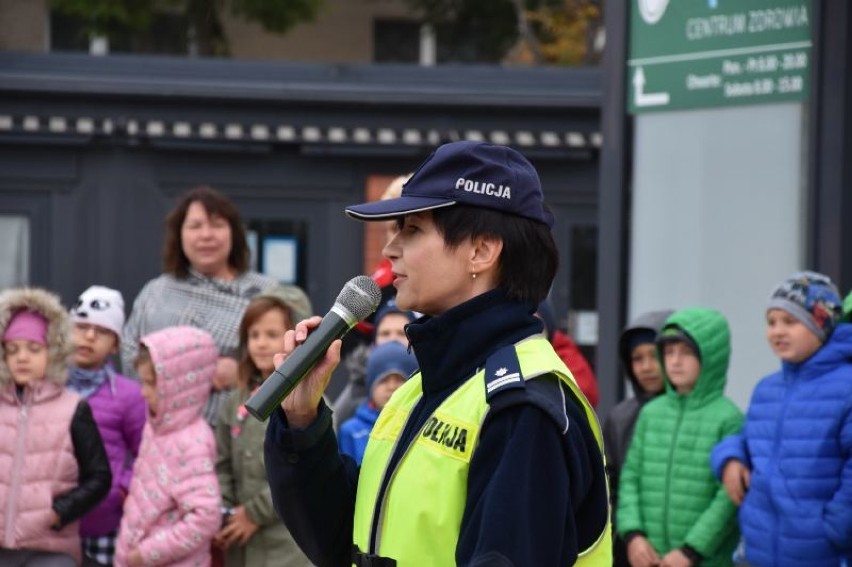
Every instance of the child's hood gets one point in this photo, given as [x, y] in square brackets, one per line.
[837, 351]
[651, 321]
[59, 344]
[184, 361]
[709, 329]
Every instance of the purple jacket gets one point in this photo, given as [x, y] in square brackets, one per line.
[119, 410]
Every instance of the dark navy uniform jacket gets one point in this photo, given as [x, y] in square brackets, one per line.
[536, 493]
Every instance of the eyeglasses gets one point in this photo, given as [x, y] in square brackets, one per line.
[84, 328]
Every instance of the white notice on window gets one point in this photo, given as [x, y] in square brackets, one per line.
[586, 327]
[280, 258]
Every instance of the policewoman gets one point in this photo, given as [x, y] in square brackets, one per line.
[489, 454]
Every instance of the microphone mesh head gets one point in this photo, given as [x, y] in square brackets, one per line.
[360, 296]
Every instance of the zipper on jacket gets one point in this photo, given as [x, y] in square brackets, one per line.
[14, 486]
[773, 460]
[682, 405]
[387, 478]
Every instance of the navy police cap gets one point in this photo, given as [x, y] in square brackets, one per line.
[466, 173]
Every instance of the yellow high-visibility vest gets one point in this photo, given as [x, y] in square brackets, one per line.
[421, 510]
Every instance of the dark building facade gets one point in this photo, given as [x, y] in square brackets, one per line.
[95, 150]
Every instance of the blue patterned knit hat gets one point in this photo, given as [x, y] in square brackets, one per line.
[811, 298]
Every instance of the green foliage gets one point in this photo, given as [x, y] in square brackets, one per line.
[104, 17]
[277, 15]
[133, 22]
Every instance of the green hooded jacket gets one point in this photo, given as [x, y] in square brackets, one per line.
[667, 490]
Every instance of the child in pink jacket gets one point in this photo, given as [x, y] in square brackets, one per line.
[172, 511]
[53, 467]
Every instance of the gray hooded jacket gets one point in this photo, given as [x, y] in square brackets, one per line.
[618, 426]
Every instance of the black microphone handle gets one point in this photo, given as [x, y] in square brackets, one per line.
[296, 366]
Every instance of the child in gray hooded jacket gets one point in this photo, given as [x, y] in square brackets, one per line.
[638, 354]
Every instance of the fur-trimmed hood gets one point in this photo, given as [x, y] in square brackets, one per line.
[59, 343]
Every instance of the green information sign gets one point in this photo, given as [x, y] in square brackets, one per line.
[706, 53]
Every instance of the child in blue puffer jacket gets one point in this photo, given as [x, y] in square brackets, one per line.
[790, 469]
[388, 367]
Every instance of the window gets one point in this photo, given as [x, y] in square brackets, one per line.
[166, 34]
[583, 315]
[396, 41]
[14, 251]
[401, 41]
[278, 249]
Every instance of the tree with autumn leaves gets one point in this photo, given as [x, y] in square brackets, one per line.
[568, 32]
[531, 32]
[527, 32]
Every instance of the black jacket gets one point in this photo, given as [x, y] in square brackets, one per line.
[535, 495]
[95, 476]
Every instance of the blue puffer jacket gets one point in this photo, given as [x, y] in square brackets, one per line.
[355, 431]
[797, 441]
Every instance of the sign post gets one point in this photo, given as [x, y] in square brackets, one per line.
[707, 53]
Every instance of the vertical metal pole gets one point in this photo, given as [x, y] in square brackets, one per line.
[830, 143]
[614, 167]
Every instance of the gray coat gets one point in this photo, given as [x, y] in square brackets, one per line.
[619, 424]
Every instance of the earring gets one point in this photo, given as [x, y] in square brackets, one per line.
[473, 275]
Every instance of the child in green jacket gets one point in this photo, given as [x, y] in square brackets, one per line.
[672, 511]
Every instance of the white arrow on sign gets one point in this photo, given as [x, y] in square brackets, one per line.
[640, 97]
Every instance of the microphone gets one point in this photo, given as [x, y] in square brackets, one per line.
[358, 298]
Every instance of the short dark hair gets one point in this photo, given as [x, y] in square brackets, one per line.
[529, 258]
[175, 261]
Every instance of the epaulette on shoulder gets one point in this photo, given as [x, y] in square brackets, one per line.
[506, 386]
[503, 372]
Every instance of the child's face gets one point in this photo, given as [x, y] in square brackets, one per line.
[27, 360]
[682, 366]
[383, 390]
[392, 328]
[265, 338]
[646, 367]
[93, 345]
[790, 340]
[149, 385]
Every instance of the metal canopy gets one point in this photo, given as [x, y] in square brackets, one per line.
[185, 103]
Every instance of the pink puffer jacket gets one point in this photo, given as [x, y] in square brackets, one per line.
[37, 463]
[37, 460]
[172, 511]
